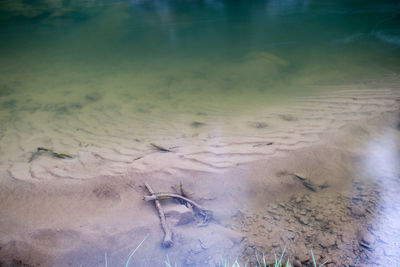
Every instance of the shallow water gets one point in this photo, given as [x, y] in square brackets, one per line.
[149, 62]
[220, 84]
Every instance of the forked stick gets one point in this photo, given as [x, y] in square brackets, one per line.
[167, 232]
[159, 196]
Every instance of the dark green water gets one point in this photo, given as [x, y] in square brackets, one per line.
[192, 52]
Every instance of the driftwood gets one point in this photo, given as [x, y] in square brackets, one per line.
[167, 242]
[207, 214]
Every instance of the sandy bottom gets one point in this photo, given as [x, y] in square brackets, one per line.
[322, 172]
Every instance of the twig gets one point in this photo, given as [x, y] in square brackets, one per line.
[160, 148]
[41, 150]
[167, 232]
[305, 181]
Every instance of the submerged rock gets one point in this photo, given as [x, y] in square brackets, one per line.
[93, 97]
[5, 90]
[368, 239]
[287, 117]
[258, 125]
[179, 213]
[197, 124]
[357, 211]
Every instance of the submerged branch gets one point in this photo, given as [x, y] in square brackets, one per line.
[159, 196]
[167, 242]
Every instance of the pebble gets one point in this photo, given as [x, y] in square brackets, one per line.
[326, 240]
[303, 257]
[357, 211]
[368, 238]
[297, 263]
[304, 220]
[250, 251]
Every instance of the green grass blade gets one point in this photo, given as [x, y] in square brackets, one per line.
[280, 260]
[265, 264]
[133, 252]
[167, 263]
[312, 254]
[358, 258]
[258, 261]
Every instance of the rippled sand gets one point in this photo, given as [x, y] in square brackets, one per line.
[344, 143]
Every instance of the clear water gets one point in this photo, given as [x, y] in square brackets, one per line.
[90, 76]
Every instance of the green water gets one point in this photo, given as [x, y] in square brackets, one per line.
[188, 53]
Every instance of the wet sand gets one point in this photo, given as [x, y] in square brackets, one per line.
[320, 172]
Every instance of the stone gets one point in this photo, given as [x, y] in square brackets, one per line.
[179, 213]
[93, 97]
[297, 263]
[250, 251]
[357, 211]
[326, 240]
[368, 238]
[276, 217]
[304, 257]
[304, 220]
[275, 244]
[197, 124]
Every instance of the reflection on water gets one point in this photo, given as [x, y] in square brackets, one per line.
[382, 163]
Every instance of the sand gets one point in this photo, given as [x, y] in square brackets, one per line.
[343, 142]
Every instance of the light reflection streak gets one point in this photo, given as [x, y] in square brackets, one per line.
[382, 164]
